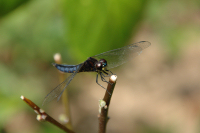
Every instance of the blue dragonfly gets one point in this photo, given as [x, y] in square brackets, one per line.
[100, 63]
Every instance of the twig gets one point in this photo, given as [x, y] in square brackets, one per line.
[65, 99]
[43, 116]
[104, 105]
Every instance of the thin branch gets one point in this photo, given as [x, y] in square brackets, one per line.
[43, 116]
[104, 104]
[65, 99]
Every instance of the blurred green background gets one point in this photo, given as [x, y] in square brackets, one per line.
[158, 92]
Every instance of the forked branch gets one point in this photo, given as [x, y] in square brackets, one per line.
[43, 116]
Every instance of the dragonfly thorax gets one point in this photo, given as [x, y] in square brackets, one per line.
[101, 65]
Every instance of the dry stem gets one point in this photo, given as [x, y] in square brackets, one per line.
[43, 116]
[103, 116]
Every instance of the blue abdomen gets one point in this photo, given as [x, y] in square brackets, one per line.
[67, 68]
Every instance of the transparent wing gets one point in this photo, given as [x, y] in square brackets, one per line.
[120, 56]
[57, 92]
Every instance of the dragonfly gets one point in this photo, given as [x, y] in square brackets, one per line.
[100, 63]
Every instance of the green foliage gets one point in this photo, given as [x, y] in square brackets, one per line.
[98, 26]
[6, 6]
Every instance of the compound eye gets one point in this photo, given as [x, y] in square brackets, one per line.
[98, 66]
[103, 62]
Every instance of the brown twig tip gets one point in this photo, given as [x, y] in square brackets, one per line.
[113, 78]
[22, 97]
[43, 116]
[57, 57]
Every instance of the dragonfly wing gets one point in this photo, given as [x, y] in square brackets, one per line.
[120, 56]
[57, 92]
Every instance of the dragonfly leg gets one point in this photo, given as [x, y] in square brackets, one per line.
[100, 84]
[110, 72]
[107, 75]
[103, 79]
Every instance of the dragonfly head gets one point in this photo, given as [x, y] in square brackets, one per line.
[101, 64]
